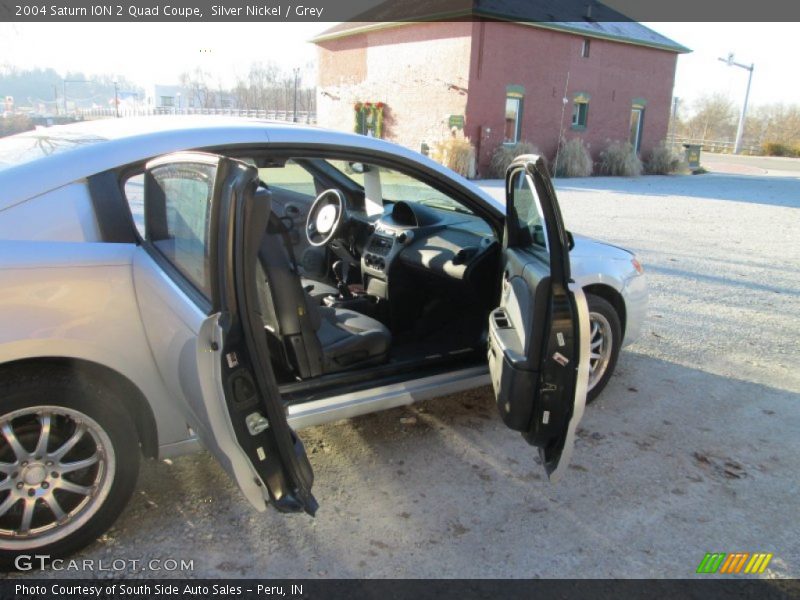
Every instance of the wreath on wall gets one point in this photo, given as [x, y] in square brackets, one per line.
[369, 118]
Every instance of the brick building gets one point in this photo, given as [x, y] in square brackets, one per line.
[501, 81]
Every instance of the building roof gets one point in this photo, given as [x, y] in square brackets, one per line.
[569, 16]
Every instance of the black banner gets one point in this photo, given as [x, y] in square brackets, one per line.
[373, 11]
[439, 589]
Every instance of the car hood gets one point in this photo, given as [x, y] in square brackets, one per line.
[591, 248]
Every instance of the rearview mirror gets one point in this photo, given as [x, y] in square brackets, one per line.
[357, 167]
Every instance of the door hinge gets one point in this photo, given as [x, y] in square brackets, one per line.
[256, 423]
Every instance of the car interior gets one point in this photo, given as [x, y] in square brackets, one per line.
[369, 272]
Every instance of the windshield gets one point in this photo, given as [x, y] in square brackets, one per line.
[395, 186]
[31, 145]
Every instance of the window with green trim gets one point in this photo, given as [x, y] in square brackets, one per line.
[513, 120]
[580, 112]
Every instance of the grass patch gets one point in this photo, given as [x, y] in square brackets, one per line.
[619, 159]
[663, 160]
[574, 160]
[504, 154]
[456, 153]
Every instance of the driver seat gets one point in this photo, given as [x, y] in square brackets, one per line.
[305, 337]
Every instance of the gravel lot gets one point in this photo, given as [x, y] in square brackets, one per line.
[692, 448]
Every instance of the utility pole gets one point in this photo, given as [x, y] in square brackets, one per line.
[65, 82]
[675, 102]
[116, 99]
[740, 129]
[294, 113]
[55, 94]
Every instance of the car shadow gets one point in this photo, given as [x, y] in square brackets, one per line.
[669, 462]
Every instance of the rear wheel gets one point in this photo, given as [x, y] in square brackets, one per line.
[605, 342]
[69, 459]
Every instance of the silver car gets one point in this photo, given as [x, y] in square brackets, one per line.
[172, 282]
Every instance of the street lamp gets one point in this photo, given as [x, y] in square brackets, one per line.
[294, 112]
[740, 129]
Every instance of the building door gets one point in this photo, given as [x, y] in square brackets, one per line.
[637, 120]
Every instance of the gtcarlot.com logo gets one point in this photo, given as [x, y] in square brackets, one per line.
[29, 562]
[734, 563]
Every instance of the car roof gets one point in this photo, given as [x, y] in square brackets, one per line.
[66, 153]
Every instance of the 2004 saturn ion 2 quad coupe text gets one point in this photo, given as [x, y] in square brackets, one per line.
[171, 282]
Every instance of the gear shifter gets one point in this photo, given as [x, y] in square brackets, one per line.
[341, 269]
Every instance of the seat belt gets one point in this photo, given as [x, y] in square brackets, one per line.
[276, 225]
[308, 333]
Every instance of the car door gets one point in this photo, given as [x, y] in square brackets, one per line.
[196, 279]
[539, 335]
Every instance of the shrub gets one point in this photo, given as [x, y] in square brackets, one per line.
[620, 159]
[505, 153]
[573, 160]
[456, 153]
[779, 149]
[663, 160]
[15, 124]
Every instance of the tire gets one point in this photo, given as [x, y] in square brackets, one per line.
[72, 487]
[605, 323]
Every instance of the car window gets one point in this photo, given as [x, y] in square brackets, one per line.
[291, 177]
[396, 185]
[527, 210]
[134, 194]
[180, 228]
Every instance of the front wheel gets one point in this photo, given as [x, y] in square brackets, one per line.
[605, 343]
[69, 459]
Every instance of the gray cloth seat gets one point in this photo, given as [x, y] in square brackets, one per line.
[306, 337]
[348, 337]
[320, 289]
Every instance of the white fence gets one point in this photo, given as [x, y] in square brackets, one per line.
[274, 115]
[721, 146]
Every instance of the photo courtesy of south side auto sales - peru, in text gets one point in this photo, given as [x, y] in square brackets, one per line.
[122, 589]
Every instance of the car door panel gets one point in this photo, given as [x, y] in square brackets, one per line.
[203, 345]
[538, 335]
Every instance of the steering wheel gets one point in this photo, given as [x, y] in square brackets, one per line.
[326, 217]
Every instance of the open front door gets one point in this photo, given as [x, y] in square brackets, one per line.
[539, 335]
[204, 225]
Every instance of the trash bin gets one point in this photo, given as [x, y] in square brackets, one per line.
[693, 155]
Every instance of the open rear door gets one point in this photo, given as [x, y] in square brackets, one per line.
[204, 217]
[539, 335]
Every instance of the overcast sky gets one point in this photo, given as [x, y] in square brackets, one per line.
[159, 52]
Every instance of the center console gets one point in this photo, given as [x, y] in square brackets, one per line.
[380, 251]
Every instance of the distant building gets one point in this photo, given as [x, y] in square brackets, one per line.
[171, 96]
[501, 81]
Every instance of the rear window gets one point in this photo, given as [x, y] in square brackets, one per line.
[28, 146]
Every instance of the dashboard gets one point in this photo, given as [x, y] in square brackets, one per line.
[441, 242]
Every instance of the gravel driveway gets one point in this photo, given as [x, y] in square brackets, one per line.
[692, 448]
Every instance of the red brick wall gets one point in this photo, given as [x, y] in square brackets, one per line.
[425, 72]
[419, 71]
[539, 59]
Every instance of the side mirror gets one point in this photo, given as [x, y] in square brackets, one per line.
[570, 240]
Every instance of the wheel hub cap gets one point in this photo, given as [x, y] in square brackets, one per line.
[34, 474]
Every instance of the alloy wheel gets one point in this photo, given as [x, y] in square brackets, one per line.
[57, 466]
[600, 341]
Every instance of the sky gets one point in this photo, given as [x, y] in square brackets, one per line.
[159, 52]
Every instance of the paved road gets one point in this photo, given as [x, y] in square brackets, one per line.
[693, 447]
[751, 165]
